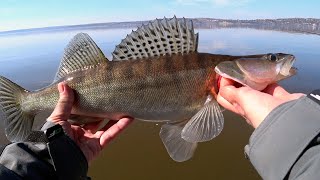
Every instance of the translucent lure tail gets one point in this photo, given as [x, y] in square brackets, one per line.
[18, 124]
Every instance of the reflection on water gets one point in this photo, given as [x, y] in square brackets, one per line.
[32, 60]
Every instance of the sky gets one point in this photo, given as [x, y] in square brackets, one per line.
[24, 14]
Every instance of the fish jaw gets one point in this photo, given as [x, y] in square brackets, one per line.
[287, 68]
[258, 73]
[237, 76]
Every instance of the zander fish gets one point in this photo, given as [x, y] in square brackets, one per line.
[156, 75]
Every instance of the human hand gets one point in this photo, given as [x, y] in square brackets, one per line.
[253, 105]
[90, 141]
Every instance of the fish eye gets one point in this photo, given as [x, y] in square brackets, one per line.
[272, 57]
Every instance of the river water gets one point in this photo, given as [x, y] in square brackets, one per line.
[31, 60]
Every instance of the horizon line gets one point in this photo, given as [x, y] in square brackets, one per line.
[138, 21]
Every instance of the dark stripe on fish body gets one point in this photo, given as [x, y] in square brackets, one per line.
[139, 70]
[148, 63]
[109, 69]
[172, 64]
[191, 61]
[201, 61]
[128, 72]
[168, 63]
[179, 62]
[187, 62]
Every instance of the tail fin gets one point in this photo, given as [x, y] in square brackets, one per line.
[18, 124]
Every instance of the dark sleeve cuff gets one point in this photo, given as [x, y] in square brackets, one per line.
[280, 139]
[68, 159]
[52, 155]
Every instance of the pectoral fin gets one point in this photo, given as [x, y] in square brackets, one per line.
[205, 125]
[178, 149]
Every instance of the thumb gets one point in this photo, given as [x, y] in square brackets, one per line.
[276, 91]
[64, 106]
[228, 93]
[232, 98]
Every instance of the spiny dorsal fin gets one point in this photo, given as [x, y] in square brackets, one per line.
[81, 52]
[158, 38]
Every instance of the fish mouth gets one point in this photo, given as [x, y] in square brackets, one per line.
[287, 65]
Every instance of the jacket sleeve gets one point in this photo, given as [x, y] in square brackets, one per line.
[59, 158]
[286, 144]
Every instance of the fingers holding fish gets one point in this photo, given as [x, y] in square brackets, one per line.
[235, 99]
[94, 126]
[253, 105]
[64, 105]
[90, 141]
[112, 129]
[227, 88]
[277, 91]
[92, 144]
[227, 97]
[63, 108]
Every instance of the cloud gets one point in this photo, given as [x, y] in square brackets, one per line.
[214, 2]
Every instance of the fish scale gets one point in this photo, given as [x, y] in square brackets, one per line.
[156, 75]
[173, 79]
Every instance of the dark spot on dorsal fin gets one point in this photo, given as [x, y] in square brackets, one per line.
[158, 38]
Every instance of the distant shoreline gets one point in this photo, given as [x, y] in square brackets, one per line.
[299, 25]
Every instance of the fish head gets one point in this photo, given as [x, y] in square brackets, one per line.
[259, 71]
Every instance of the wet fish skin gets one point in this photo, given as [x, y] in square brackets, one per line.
[166, 88]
